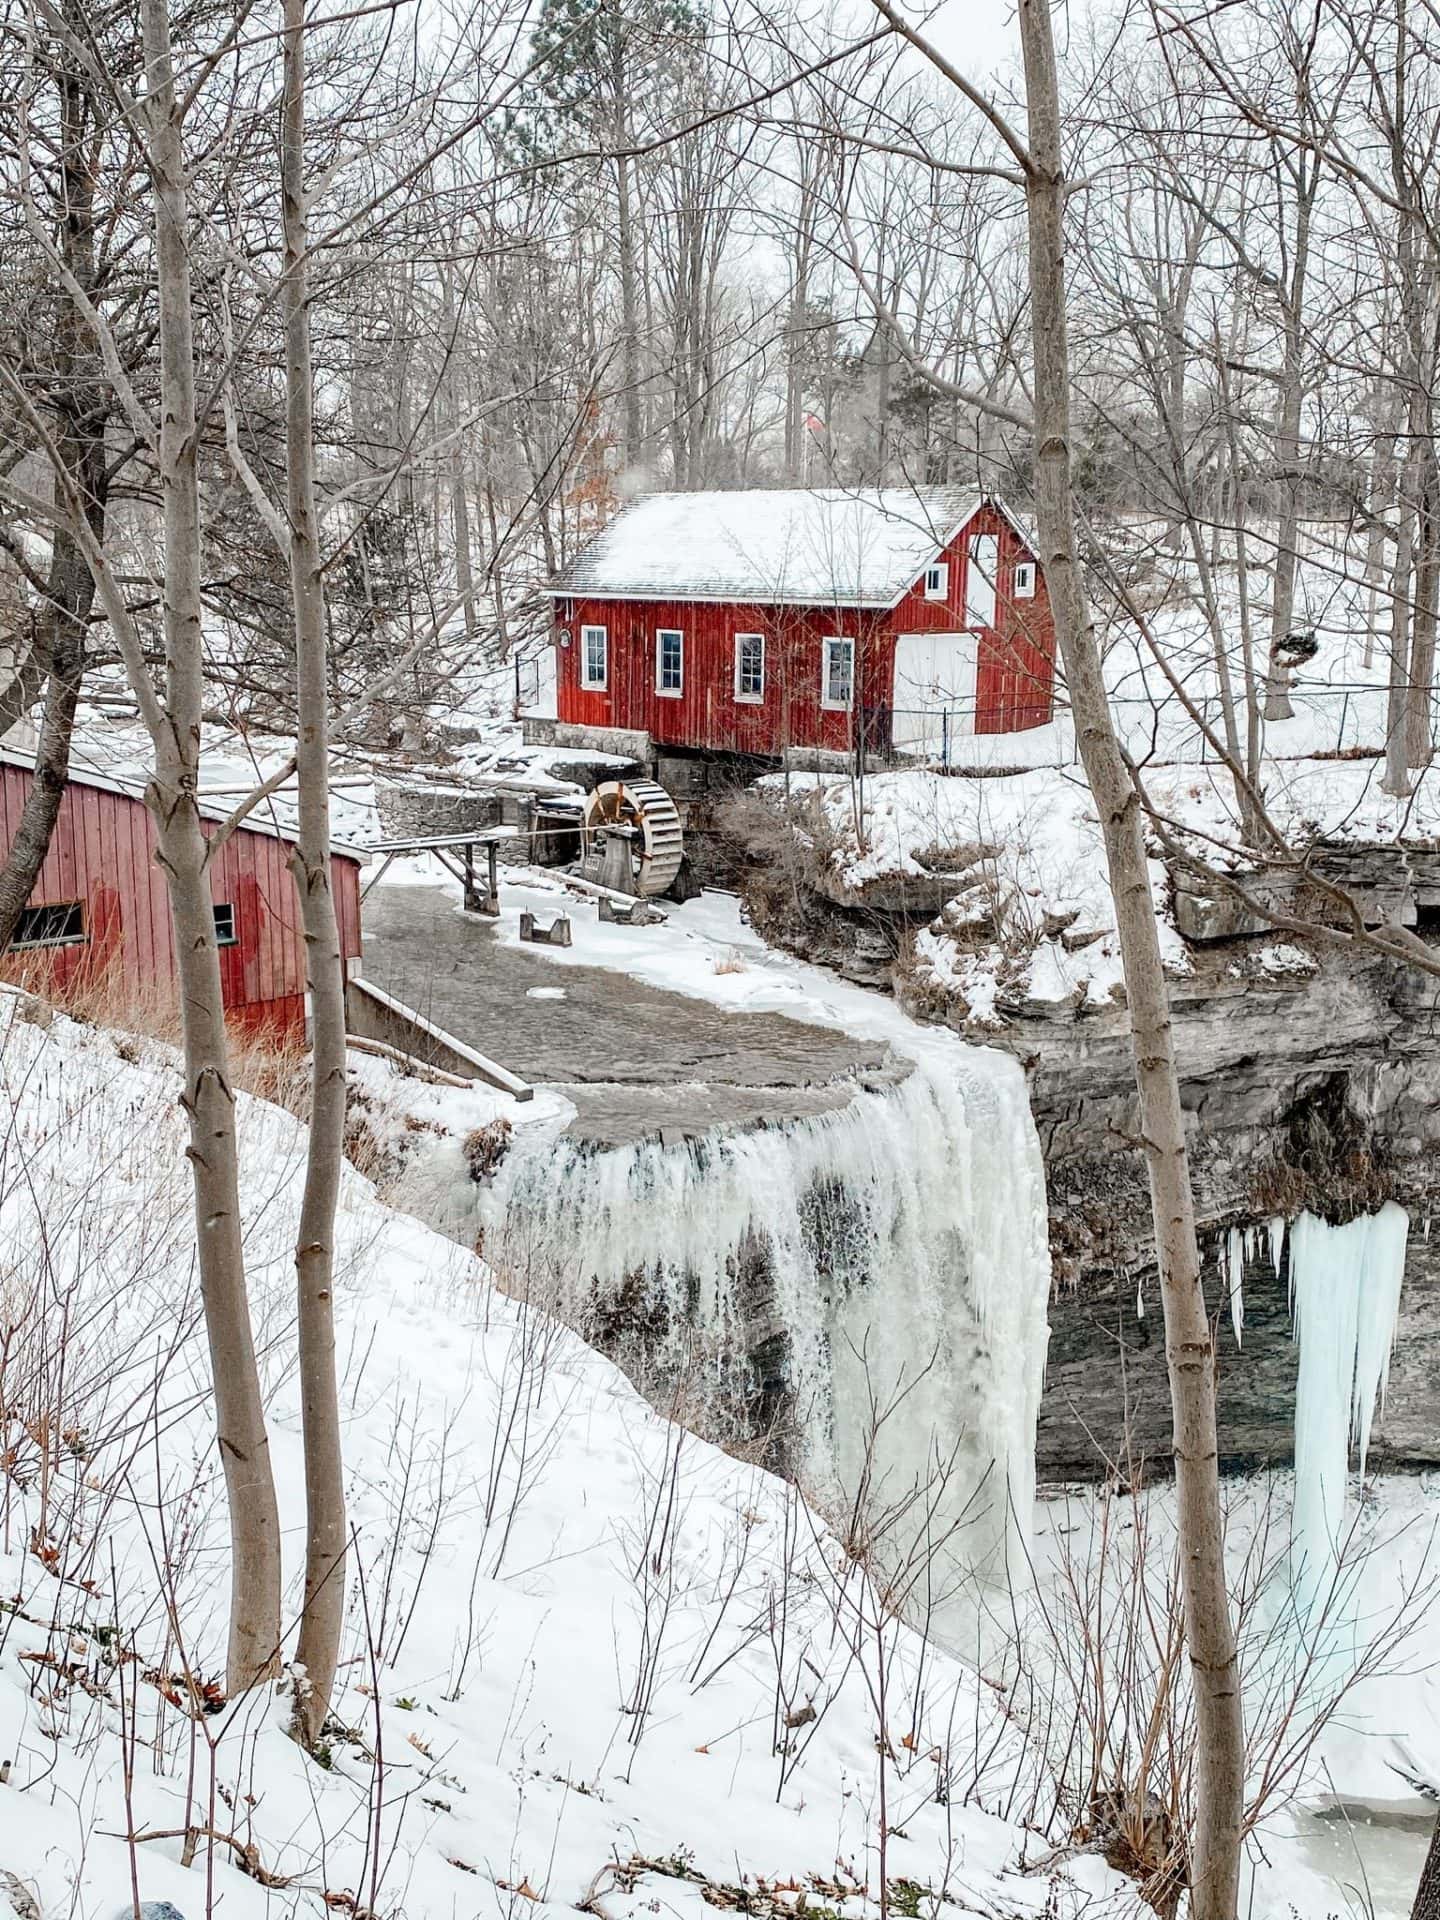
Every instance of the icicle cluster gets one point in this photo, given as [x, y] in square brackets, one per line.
[1345, 1301]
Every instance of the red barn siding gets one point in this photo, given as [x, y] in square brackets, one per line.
[103, 854]
[707, 714]
[1014, 672]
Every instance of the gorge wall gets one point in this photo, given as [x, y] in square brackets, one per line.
[1314, 1089]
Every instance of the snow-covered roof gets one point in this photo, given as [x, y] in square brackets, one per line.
[275, 817]
[803, 546]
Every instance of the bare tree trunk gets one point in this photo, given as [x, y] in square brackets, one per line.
[82, 398]
[625, 248]
[1427, 1894]
[209, 1101]
[795, 331]
[1292, 401]
[1419, 743]
[1380, 494]
[324, 1605]
[1396, 779]
[1210, 1638]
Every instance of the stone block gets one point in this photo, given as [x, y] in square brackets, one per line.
[557, 934]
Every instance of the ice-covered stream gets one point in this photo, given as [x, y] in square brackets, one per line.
[875, 1277]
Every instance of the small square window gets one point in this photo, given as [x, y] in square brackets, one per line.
[937, 582]
[225, 934]
[1025, 580]
[669, 662]
[750, 666]
[59, 923]
[594, 656]
[837, 681]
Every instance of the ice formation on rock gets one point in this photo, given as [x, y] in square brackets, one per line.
[892, 1255]
[1345, 1287]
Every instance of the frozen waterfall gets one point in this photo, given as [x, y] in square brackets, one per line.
[1345, 1297]
[885, 1263]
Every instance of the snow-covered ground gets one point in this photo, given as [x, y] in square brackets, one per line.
[1353, 1838]
[1035, 921]
[590, 1660]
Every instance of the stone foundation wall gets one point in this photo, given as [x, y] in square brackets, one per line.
[420, 811]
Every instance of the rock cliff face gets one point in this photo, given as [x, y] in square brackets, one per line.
[1313, 1088]
[1319, 1093]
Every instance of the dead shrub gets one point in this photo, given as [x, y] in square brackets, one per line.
[485, 1147]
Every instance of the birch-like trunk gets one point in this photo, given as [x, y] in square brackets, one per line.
[208, 1099]
[324, 1604]
[1190, 1356]
[82, 399]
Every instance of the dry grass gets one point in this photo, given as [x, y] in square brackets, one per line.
[264, 1061]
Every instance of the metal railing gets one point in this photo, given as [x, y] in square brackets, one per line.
[1157, 731]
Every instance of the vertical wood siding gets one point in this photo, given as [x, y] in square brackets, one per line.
[103, 855]
[1014, 676]
[707, 713]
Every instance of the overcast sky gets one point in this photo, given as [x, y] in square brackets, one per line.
[978, 35]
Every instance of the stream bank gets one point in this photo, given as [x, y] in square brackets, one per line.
[1310, 1076]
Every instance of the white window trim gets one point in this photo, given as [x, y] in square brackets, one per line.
[749, 699]
[1025, 567]
[669, 693]
[836, 640]
[941, 589]
[587, 684]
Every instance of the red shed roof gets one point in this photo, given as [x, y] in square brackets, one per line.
[793, 546]
[130, 781]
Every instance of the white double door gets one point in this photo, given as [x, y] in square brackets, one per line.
[934, 693]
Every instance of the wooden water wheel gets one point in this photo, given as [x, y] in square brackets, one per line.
[656, 840]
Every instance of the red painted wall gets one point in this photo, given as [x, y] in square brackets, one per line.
[707, 714]
[102, 854]
[1014, 677]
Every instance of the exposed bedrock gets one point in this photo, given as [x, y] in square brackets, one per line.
[1315, 1089]
[1320, 1093]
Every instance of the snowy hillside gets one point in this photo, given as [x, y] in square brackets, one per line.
[591, 1662]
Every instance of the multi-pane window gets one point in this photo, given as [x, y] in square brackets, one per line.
[59, 924]
[1025, 580]
[749, 666]
[937, 582]
[225, 934]
[594, 656]
[669, 661]
[837, 679]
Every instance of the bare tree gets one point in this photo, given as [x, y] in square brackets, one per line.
[322, 1614]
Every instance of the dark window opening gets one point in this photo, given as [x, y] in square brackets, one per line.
[59, 924]
[225, 934]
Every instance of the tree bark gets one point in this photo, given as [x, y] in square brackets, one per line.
[1292, 401]
[82, 399]
[1210, 1638]
[625, 247]
[322, 1616]
[1419, 730]
[1427, 1894]
[208, 1099]
[1396, 779]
